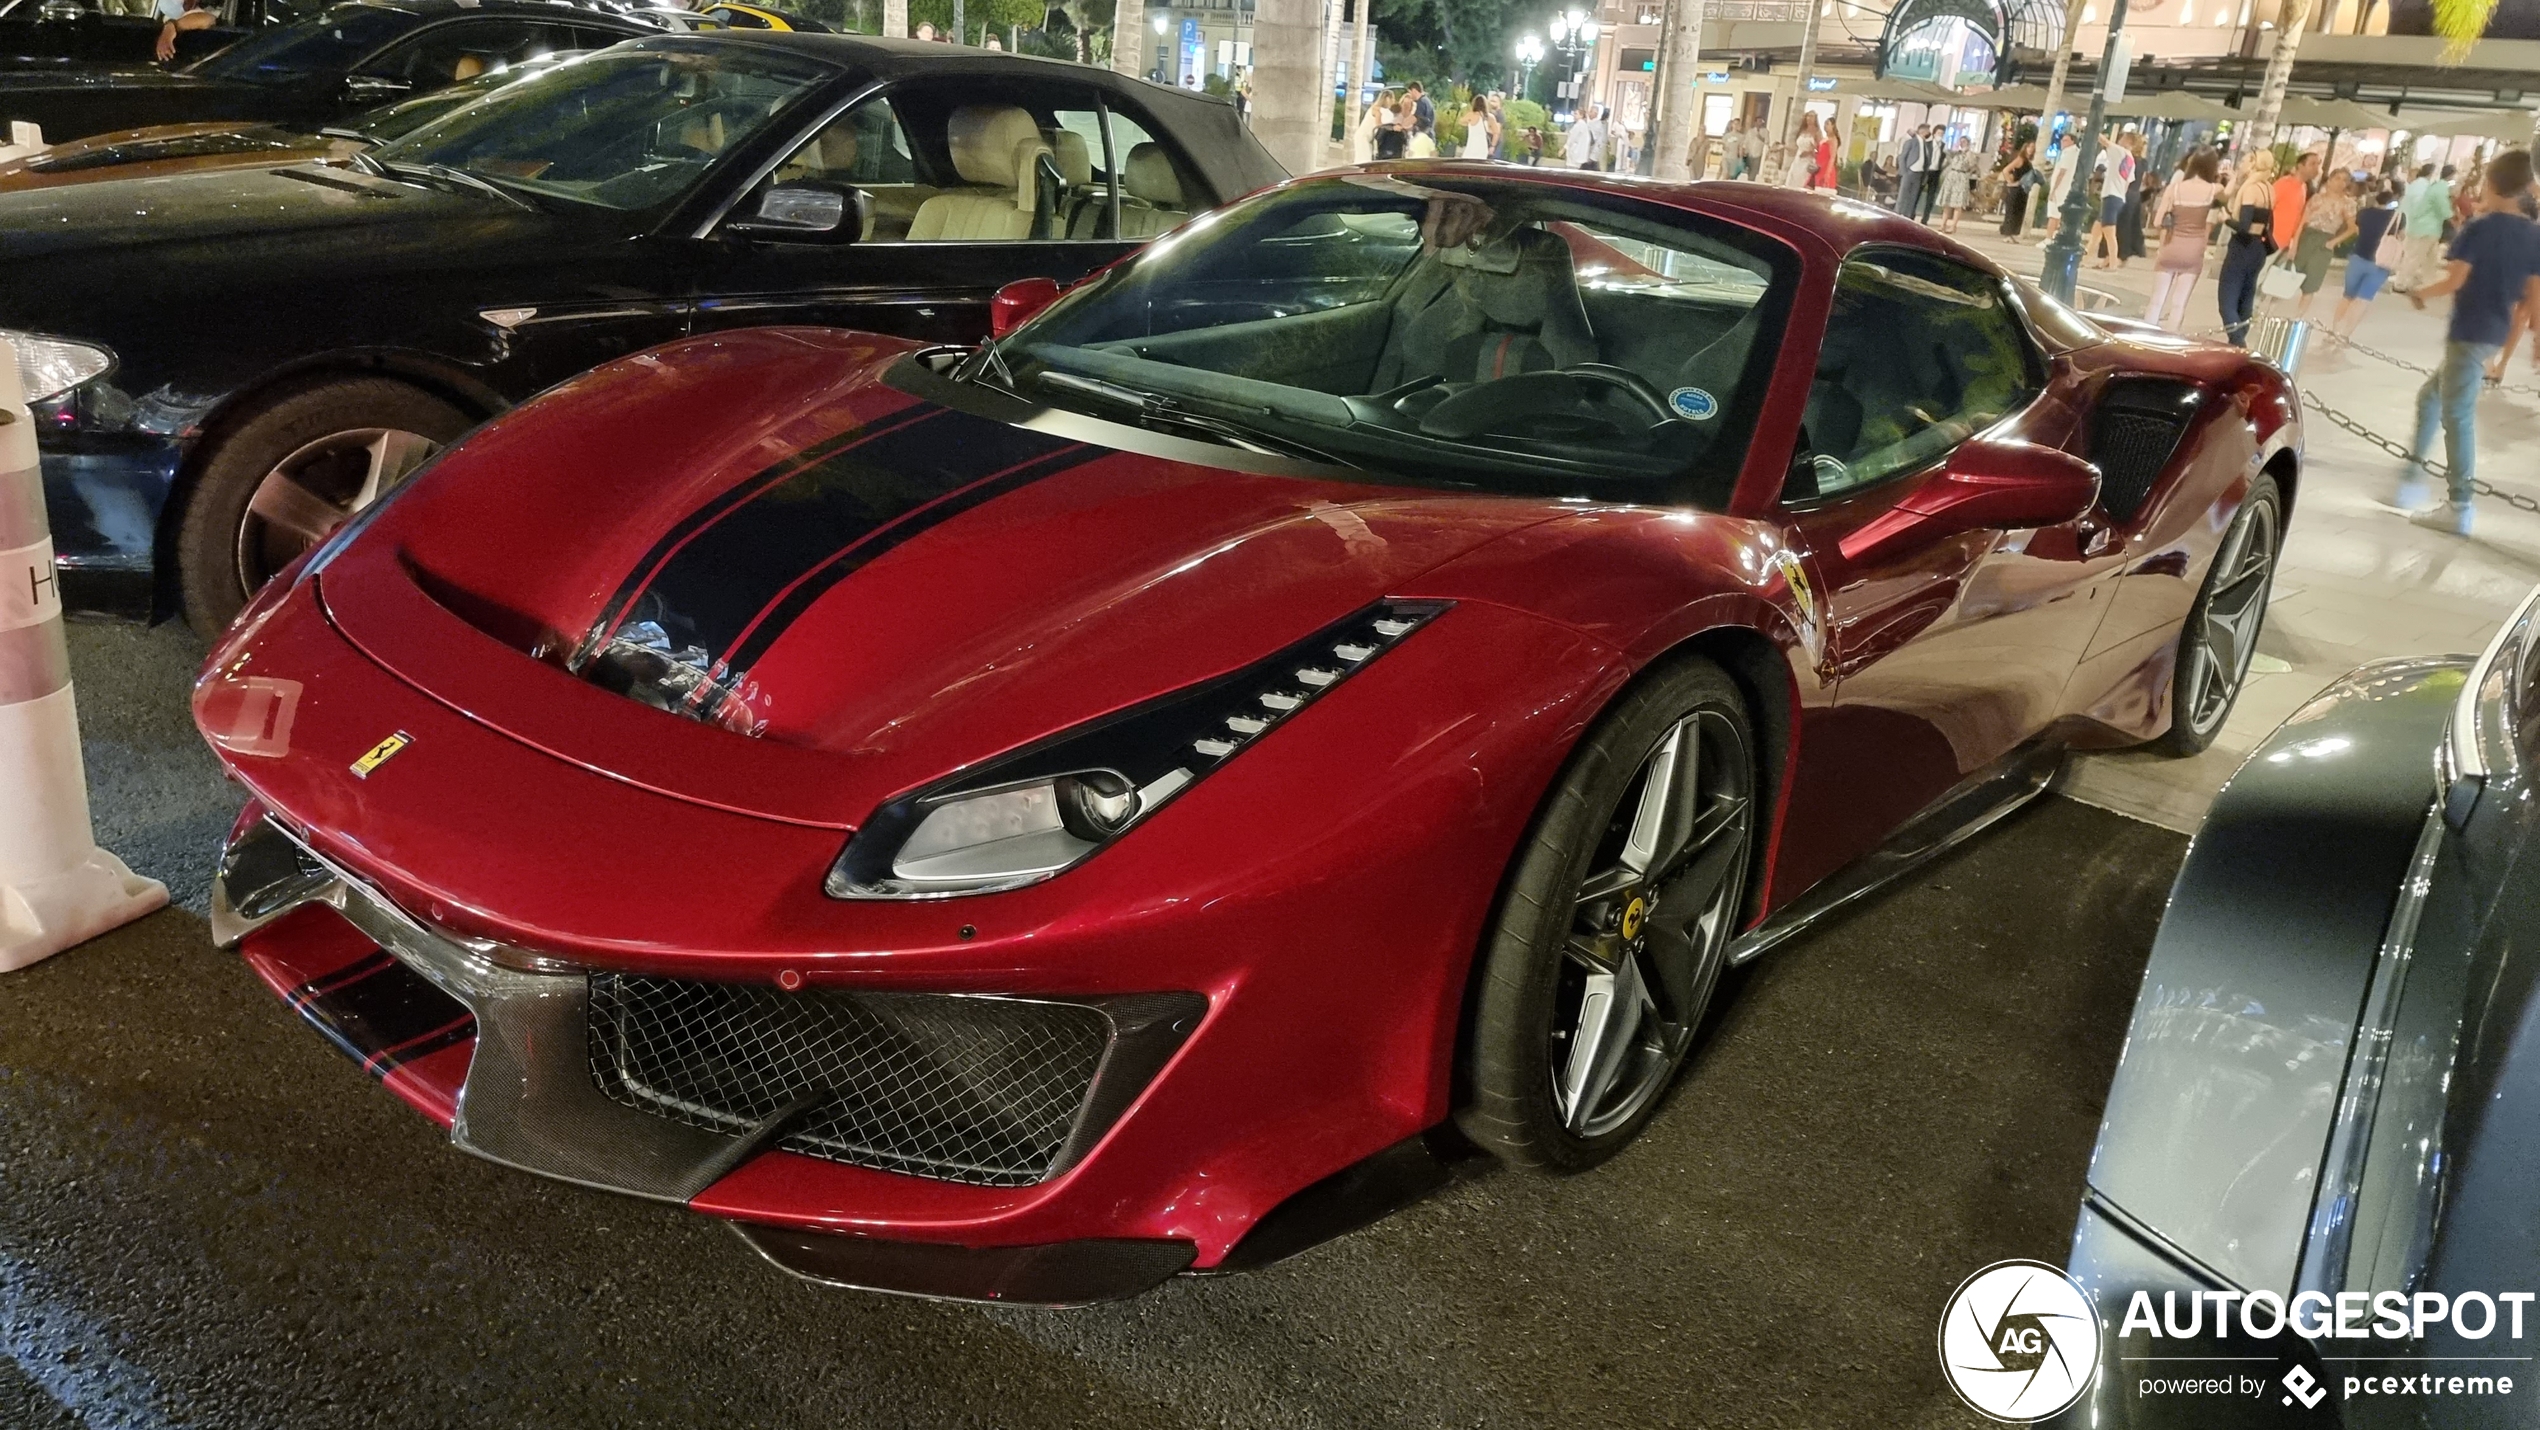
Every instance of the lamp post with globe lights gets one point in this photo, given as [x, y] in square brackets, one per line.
[1529, 55]
[1574, 34]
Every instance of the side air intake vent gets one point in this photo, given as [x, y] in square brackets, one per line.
[2139, 423]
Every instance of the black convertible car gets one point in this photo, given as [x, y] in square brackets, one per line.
[318, 71]
[225, 365]
[2326, 1125]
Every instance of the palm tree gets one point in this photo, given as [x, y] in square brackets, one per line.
[1080, 18]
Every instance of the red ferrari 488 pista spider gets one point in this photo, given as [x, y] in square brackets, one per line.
[1027, 821]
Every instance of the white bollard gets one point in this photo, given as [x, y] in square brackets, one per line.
[57, 888]
[22, 140]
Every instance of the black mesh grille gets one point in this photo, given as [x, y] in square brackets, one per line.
[2138, 428]
[981, 1090]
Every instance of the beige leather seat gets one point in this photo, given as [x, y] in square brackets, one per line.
[1150, 194]
[831, 154]
[995, 148]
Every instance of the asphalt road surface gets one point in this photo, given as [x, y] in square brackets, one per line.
[208, 1218]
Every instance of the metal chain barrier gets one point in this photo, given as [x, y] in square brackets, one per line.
[2377, 355]
[2442, 471]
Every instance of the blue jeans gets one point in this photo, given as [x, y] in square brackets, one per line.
[2450, 397]
[2242, 263]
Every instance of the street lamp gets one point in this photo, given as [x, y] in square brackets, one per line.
[1163, 25]
[1529, 55]
[2062, 269]
[1574, 34]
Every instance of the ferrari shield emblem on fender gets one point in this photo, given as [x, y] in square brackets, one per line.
[1795, 575]
[381, 754]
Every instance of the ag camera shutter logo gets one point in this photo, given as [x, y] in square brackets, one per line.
[2019, 1341]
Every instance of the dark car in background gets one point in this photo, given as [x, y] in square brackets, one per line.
[224, 366]
[126, 32]
[160, 150]
[319, 71]
[2331, 1087]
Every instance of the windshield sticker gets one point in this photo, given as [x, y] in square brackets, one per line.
[1693, 404]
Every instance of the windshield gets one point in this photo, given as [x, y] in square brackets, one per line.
[1442, 329]
[626, 128]
[331, 42]
[396, 121]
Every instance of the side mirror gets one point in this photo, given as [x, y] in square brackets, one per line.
[824, 213]
[2000, 484]
[1018, 302]
[369, 89]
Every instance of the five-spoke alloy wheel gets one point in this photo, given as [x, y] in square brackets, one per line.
[281, 477]
[1616, 924]
[2221, 635]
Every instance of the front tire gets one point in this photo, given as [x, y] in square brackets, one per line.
[281, 479]
[1616, 925]
[2221, 634]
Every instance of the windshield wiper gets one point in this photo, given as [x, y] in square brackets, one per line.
[988, 356]
[353, 134]
[452, 174]
[1154, 409]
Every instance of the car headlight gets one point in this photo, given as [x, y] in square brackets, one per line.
[1048, 807]
[49, 367]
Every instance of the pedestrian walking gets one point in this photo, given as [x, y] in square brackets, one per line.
[2185, 218]
[2366, 269]
[1957, 183]
[2067, 163]
[1909, 169]
[1392, 133]
[1584, 146]
[2116, 173]
[1809, 154]
[1935, 143]
[1753, 153]
[2139, 194]
[2251, 220]
[2017, 175]
[2492, 271]
[2423, 210]
[1481, 130]
[1733, 151]
[2327, 221]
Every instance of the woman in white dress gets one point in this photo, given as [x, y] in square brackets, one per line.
[1957, 182]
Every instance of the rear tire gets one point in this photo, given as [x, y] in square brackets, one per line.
[315, 456]
[2220, 637]
[1616, 924]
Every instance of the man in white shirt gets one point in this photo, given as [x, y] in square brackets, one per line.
[1584, 146]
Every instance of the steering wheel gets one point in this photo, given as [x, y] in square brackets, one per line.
[1548, 403]
[1626, 380]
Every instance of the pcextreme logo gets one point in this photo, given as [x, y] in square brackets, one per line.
[2019, 1341]
[2470, 1364]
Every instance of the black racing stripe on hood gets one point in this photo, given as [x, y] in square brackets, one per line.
[790, 605]
[686, 529]
[744, 573]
